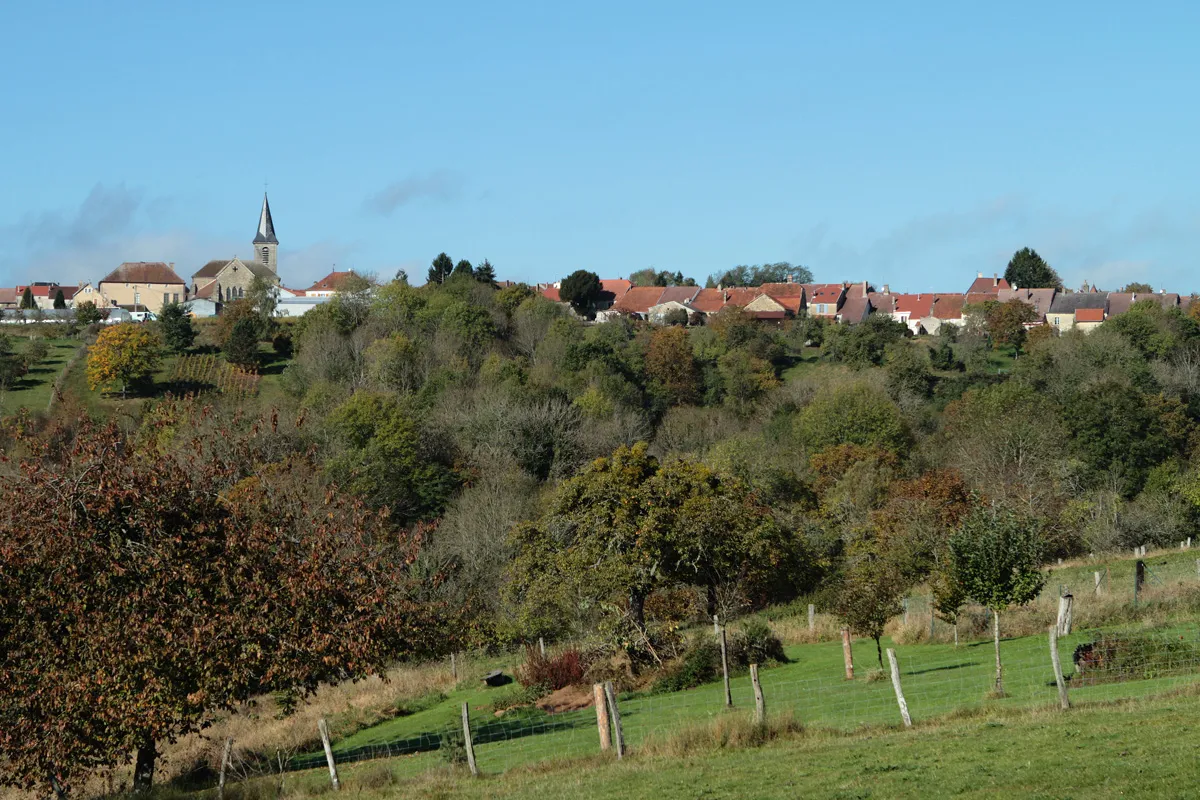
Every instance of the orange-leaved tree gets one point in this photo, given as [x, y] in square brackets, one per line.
[123, 355]
[146, 583]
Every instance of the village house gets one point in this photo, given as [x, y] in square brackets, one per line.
[1040, 299]
[1077, 309]
[673, 298]
[825, 299]
[982, 285]
[143, 286]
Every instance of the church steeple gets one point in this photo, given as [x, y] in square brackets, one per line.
[265, 243]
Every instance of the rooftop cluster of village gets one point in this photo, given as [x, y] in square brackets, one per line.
[854, 302]
[139, 287]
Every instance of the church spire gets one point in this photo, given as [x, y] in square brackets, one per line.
[266, 227]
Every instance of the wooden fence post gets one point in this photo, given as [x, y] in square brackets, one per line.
[601, 715]
[725, 670]
[1096, 575]
[896, 685]
[453, 668]
[542, 646]
[323, 729]
[225, 755]
[846, 655]
[466, 719]
[1063, 700]
[1139, 579]
[1064, 614]
[1198, 567]
[760, 704]
[614, 714]
[812, 617]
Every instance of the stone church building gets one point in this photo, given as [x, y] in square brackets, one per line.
[224, 280]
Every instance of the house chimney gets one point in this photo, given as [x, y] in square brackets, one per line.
[789, 277]
[171, 264]
[887, 289]
[978, 274]
[995, 279]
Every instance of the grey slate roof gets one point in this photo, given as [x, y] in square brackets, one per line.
[213, 268]
[1070, 302]
[266, 227]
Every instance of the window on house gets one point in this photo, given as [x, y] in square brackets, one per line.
[1056, 321]
[137, 298]
[166, 298]
[175, 297]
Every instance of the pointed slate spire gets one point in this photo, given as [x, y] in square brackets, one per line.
[266, 228]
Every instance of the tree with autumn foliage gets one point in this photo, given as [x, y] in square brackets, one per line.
[149, 581]
[626, 525]
[123, 355]
[671, 367]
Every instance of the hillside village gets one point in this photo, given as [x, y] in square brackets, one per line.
[137, 287]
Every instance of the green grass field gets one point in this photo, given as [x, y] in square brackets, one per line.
[1144, 748]
[33, 391]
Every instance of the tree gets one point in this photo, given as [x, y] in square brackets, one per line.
[870, 594]
[125, 354]
[485, 272]
[1006, 321]
[380, 458]
[141, 591]
[463, 268]
[27, 301]
[852, 414]
[1138, 288]
[241, 347]
[12, 367]
[238, 310]
[676, 316]
[997, 557]
[87, 313]
[744, 380]
[671, 367]
[624, 525]
[942, 356]
[263, 296]
[907, 371]
[1027, 270]
[60, 300]
[949, 597]
[440, 269]
[651, 277]
[175, 324]
[759, 274]
[36, 352]
[581, 289]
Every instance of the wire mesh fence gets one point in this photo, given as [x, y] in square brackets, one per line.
[937, 680]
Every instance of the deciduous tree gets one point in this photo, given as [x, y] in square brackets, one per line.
[997, 558]
[671, 367]
[123, 355]
[141, 590]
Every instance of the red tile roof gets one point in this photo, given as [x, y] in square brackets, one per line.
[792, 303]
[708, 301]
[143, 272]
[9, 296]
[1089, 315]
[742, 295]
[778, 290]
[948, 306]
[639, 299]
[617, 287]
[330, 282]
[988, 285]
[979, 298]
[918, 306]
[678, 294]
[823, 292]
[551, 293]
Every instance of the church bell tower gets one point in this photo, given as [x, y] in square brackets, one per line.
[266, 245]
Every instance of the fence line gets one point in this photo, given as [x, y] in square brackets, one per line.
[937, 680]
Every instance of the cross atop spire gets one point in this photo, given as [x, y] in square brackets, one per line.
[266, 228]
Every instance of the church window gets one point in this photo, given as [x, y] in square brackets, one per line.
[266, 255]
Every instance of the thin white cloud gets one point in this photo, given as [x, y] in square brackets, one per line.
[440, 185]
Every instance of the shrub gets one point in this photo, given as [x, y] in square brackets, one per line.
[1130, 656]
[701, 663]
[283, 345]
[757, 644]
[553, 672]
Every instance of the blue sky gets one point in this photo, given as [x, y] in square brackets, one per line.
[913, 146]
